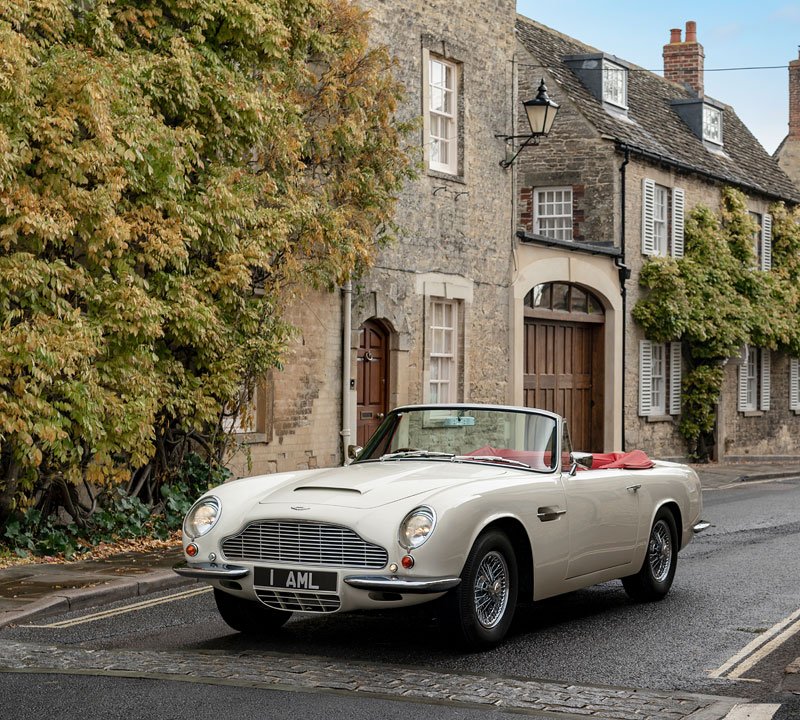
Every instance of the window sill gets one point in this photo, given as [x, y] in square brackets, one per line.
[660, 418]
[250, 438]
[446, 176]
[752, 413]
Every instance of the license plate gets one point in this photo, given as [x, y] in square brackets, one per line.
[315, 580]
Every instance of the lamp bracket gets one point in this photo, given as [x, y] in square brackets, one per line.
[529, 140]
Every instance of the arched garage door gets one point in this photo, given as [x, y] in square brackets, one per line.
[564, 359]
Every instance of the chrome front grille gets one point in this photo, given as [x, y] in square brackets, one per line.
[303, 543]
[299, 601]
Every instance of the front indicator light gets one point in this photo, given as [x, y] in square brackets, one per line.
[407, 562]
[192, 550]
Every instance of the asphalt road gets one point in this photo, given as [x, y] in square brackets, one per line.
[737, 587]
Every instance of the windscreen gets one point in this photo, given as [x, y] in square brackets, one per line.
[481, 434]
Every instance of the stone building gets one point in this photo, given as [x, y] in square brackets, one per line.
[629, 157]
[515, 284]
[430, 322]
[788, 152]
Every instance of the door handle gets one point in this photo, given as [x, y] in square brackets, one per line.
[633, 488]
[545, 514]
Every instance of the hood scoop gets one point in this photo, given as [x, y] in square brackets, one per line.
[329, 488]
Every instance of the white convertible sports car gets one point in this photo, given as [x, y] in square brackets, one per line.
[479, 505]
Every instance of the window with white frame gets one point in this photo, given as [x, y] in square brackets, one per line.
[662, 219]
[794, 384]
[443, 355]
[755, 382]
[660, 373]
[552, 212]
[442, 115]
[712, 124]
[615, 84]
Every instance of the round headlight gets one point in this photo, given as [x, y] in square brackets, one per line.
[416, 527]
[202, 517]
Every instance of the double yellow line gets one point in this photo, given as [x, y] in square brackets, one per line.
[758, 649]
[126, 609]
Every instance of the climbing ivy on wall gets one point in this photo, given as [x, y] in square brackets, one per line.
[715, 299]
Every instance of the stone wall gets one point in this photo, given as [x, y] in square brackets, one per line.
[454, 242]
[306, 396]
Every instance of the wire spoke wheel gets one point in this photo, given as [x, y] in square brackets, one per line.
[660, 551]
[491, 589]
[654, 578]
[482, 606]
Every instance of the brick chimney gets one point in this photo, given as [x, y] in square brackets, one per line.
[683, 61]
[794, 99]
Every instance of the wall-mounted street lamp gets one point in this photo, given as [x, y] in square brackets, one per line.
[541, 112]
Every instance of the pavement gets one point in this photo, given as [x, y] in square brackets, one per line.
[36, 590]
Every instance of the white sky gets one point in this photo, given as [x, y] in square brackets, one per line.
[734, 34]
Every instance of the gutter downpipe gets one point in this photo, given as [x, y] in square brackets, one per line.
[347, 331]
[624, 274]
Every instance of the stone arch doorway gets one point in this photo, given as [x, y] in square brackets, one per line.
[372, 378]
[564, 358]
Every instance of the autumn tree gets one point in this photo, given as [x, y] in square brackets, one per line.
[172, 174]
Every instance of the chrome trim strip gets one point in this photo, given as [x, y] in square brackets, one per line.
[700, 526]
[394, 584]
[211, 571]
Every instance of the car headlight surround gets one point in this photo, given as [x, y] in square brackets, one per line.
[203, 515]
[416, 527]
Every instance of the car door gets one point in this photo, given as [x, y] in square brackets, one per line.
[603, 512]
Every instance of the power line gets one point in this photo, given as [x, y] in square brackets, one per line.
[730, 69]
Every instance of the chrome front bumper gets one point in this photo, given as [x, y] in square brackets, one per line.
[375, 583]
[211, 571]
[394, 584]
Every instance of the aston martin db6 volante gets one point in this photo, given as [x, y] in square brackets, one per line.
[476, 506]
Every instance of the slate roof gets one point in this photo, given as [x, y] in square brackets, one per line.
[657, 132]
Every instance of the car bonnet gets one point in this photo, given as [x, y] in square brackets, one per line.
[370, 485]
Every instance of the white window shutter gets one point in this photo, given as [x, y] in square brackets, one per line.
[766, 380]
[675, 378]
[766, 242]
[678, 205]
[645, 377]
[794, 384]
[742, 404]
[648, 216]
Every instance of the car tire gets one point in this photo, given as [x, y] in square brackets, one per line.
[482, 606]
[249, 616]
[654, 579]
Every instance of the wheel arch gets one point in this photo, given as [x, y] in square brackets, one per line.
[677, 516]
[516, 533]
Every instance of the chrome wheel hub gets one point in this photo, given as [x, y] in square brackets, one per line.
[490, 593]
[660, 551]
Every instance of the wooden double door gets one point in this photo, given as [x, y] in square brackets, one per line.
[564, 371]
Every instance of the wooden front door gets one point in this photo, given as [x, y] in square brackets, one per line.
[564, 369]
[372, 379]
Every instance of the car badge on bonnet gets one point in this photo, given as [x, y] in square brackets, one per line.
[300, 507]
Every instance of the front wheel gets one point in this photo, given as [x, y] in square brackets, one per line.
[485, 601]
[249, 616]
[654, 579]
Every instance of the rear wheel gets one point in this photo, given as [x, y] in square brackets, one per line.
[249, 616]
[654, 579]
[484, 603]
